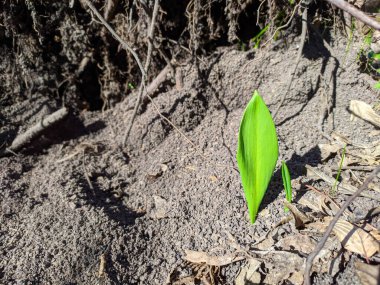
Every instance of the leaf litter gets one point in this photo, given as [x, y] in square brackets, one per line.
[280, 255]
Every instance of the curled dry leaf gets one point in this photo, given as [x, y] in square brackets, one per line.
[355, 239]
[203, 257]
[368, 274]
[365, 112]
[300, 218]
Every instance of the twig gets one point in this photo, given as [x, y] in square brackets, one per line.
[35, 131]
[299, 54]
[311, 257]
[144, 78]
[116, 36]
[352, 10]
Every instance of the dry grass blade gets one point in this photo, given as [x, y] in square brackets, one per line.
[355, 239]
[365, 112]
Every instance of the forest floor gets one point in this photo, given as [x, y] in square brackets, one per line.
[78, 208]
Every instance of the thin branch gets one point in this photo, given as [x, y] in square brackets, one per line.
[355, 12]
[311, 257]
[143, 79]
[116, 36]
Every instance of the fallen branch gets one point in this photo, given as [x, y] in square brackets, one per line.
[35, 131]
[311, 257]
[355, 12]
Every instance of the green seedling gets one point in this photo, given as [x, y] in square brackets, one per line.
[257, 152]
[255, 41]
[287, 183]
[333, 190]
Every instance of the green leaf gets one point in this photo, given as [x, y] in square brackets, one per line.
[377, 85]
[376, 56]
[287, 183]
[257, 152]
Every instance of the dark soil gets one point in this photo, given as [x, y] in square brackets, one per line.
[75, 194]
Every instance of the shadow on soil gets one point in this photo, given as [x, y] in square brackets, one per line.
[296, 165]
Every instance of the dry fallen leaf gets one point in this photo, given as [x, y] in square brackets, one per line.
[368, 274]
[328, 150]
[355, 239]
[328, 207]
[203, 257]
[365, 112]
[281, 266]
[248, 273]
[300, 218]
[297, 242]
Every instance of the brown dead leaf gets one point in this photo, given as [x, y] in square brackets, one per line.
[248, 273]
[327, 150]
[297, 242]
[365, 112]
[203, 257]
[355, 239]
[296, 278]
[300, 218]
[308, 203]
[368, 274]
[281, 266]
[328, 207]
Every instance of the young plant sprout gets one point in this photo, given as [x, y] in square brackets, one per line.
[257, 152]
[287, 183]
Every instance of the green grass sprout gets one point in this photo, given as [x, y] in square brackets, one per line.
[333, 190]
[257, 39]
[287, 183]
[257, 152]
